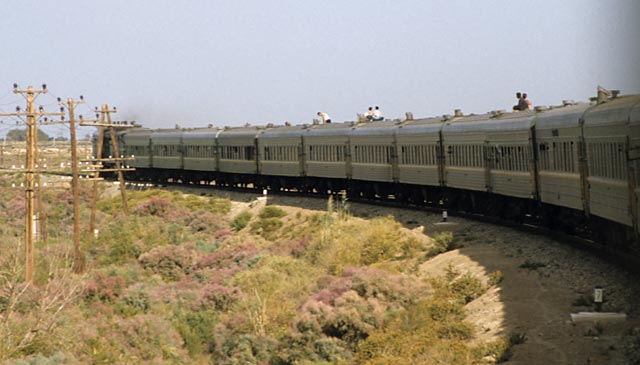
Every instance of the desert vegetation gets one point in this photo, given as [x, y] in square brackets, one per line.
[181, 280]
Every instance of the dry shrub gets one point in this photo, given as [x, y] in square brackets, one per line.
[357, 304]
[105, 288]
[241, 220]
[141, 339]
[340, 244]
[171, 262]
[32, 316]
[191, 202]
[265, 286]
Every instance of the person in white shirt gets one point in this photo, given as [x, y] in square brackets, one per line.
[377, 115]
[325, 117]
[369, 114]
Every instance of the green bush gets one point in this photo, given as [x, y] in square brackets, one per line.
[241, 220]
[467, 288]
[343, 243]
[271, 212]
[495, 278]
[267, 227]
[443, 242]
[197, 329]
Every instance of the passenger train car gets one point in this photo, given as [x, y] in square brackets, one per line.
[572, 167]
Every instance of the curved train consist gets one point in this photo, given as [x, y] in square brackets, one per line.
[573, 167]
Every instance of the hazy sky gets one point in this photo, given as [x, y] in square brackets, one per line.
[229, 62]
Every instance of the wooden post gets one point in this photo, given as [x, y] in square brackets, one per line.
[29, 190]
[96, 176]
[114, 144]
[79, 260]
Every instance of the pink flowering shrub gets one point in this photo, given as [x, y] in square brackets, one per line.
[154, 206]
[350, 307]
[171, 262]
[294, 248]
[205, 222]
[141, 339]
[233, 258]
[162, 208]
[104, 288]
[219, 296]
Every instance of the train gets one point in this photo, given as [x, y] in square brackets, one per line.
[572, 167]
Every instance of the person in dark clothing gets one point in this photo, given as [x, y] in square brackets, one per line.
[522, 103]
[517, 106]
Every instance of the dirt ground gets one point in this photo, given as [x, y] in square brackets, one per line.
[544, 281]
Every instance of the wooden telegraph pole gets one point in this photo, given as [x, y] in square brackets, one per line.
[30, 94]
[79, 258]
[105, 121]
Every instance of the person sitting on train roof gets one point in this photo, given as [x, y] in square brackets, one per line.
[369, 114]
[377, 115]
[524, 97]
[325, 117]
[517, 106]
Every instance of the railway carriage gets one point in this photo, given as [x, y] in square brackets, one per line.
[419, 166]
[419, 152]
[281, 151]
[634, 165]
[558, 144]
[137, 143]
[372, 150]
[326, 152]
[464, 164]
[167, 161]
[200, 154]
[237, 155]
[509, 155]
[607, 132]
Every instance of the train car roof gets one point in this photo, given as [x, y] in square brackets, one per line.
[166, 133]
[234, 132]
[201, 133]
[423, 125]
[495, 121]
[561, 116]
[385, 127]
[612, 111]
[135, 132]
[331, 129]
[283, 131]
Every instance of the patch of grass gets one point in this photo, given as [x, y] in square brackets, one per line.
[196, 329]
[443, 242]
[267, 227]
[501, 350]
[241, 220]
[271, 211]
[495, 278]
[192, 202]
[467, 288]
[517, 338]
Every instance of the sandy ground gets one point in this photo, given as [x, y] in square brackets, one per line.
[535, 302]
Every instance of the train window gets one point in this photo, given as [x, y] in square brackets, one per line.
[249, 152]
[607, 159]
[556, 156]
